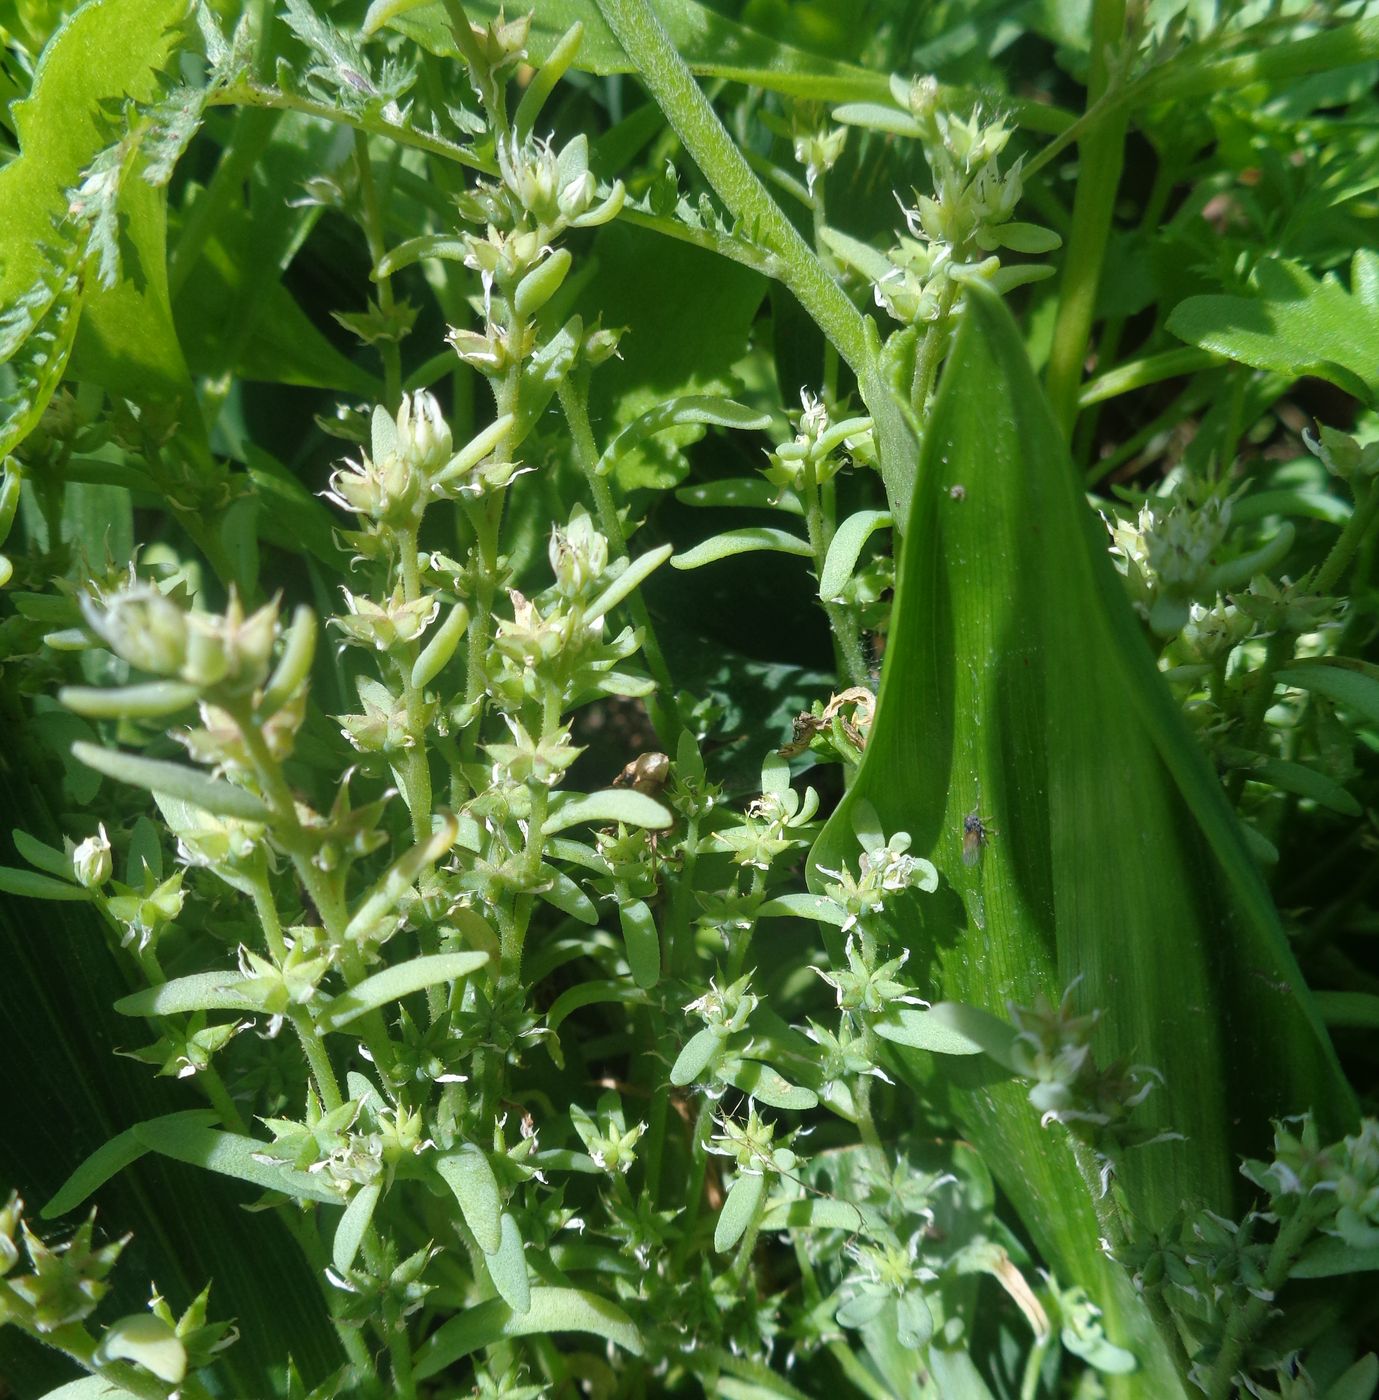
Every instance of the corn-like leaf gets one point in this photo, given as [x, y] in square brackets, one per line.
[1018, 688]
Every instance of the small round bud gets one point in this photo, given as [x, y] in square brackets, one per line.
[91, 861]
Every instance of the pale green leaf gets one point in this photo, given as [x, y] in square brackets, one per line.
[611, 805]
[108, 1160]
[466, 1171]
[742, 541]
[200, 991]
[551, 1310]
[642, 941]
[175, 779]
[230, 1154]
[744, 1196]
[354, 1221]
[396, 982]
[507, 1267]
[844, 549]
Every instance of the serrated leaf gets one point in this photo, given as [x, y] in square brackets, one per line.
[1293, 325]
[1114, 861]
[551, 1310]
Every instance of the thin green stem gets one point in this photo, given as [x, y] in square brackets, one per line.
[574, 402]
[930, 350]
[847, 635]
[1147, 370]
[686, 108]
[312, 1045]
[372, 224]
[417, 765]
[1101, 153]
[250, 94]
[1247, 1317]
[1356, 528]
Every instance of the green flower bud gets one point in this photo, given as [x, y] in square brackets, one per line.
[578, 555]
[601, 345]
[91, 861]
[423, 436]
[141, 627]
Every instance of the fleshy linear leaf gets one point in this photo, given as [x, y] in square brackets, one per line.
[843, 552]
[354, 1220]
[231, 1154]
[200, 991]
[610, 805]
[395, 982]
[1018, 684]
[466, 1171]
[507, 1267]
[552, 1310]
[744, 1196]
[175, 779]
[108, 1159]
[73, 1097]
[743, 541]
[1293, 325]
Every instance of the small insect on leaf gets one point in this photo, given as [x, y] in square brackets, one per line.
[975, 834]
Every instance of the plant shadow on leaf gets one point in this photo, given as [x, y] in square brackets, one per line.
[1018, 687]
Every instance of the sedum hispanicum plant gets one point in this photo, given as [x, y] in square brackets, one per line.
[586, 949]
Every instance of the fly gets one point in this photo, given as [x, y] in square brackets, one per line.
[975, 834]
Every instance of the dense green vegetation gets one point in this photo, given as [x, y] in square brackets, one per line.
[690, 698]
